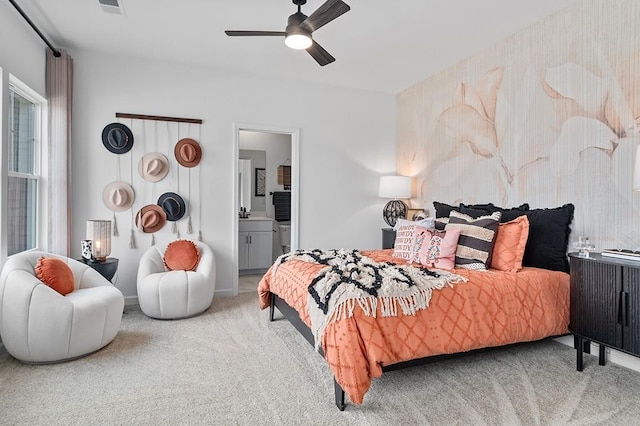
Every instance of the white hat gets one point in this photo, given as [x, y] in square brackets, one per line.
[153, 166]
[118, 196]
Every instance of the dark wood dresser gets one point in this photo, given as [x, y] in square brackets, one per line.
[605, 304]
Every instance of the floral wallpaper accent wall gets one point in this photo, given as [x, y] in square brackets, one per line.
[549, 116]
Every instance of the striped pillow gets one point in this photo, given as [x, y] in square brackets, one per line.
[477, 237]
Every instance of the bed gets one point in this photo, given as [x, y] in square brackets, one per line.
[479, 309]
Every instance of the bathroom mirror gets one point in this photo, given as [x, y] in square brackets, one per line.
[245, 182]
[255, 204]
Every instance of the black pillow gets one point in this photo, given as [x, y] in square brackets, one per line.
[507, 214]
[474, 212]
[443, 210]
[548, 238]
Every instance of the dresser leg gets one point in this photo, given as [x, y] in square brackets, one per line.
[601, 357]
[579, 348]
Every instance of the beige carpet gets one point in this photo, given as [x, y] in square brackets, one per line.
[231, 366]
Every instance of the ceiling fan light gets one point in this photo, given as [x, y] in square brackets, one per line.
[298, 41]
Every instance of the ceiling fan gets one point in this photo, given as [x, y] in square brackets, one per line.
[297, 35]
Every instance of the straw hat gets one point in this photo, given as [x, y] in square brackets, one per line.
[173, 205]
[153, 166]
[118, 196]
[117, 138]
[150, 218]
[188, 152]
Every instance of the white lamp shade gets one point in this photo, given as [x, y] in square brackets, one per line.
[99, 232]
[395, 187]
[636, 171]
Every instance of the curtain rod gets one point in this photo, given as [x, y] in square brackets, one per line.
[55, 51]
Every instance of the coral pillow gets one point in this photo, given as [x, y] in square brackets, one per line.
[56, 274]
[181, 255]
[436, 249]
[511, 240]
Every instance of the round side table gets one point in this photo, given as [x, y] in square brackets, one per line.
[107, 268]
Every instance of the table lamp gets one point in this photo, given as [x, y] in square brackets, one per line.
[394, 187]
[99, 232]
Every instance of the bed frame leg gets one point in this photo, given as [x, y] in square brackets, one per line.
[339, 395]
[272, 305]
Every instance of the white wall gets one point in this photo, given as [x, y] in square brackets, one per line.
[22, 52]
[346, 142]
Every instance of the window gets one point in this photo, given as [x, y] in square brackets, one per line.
[24, 171]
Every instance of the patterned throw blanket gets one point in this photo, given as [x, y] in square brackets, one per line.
[351, 279]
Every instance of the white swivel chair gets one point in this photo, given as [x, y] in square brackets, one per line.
[165, 294]
[39, 325]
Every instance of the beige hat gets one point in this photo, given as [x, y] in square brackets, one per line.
[188, 152]
[118, 196]
[150, 218]
[153, 166]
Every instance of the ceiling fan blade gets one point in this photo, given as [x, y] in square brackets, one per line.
[326, 13]
[321, 56]
[254, 33]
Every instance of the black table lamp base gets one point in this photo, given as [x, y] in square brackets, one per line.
[394, 210]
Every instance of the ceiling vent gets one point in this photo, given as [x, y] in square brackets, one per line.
[112, 6]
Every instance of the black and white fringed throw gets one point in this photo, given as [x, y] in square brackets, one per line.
[351, 279]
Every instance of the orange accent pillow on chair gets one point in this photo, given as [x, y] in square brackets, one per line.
[181, 255]
[56, 274]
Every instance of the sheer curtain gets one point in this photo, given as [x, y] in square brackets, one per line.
[59, 87]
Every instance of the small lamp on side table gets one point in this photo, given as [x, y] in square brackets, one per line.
[395, 187]
[99, 232]
[99, 237]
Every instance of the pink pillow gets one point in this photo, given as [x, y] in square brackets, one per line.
[436, 249]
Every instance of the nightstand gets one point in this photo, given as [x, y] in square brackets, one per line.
[388, 238]
[107, 268]
[605, 304]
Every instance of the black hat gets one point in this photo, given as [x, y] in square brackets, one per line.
[117, 138]
[173, 205]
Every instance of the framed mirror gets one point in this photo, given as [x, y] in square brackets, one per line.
[244, 171]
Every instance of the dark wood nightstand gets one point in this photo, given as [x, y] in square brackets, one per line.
[107, 267]
[388, 238]
[605, 304]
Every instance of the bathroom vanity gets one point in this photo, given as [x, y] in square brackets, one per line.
[255, 244]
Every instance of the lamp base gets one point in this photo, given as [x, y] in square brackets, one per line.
[394, 210]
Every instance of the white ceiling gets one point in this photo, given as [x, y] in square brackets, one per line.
[378, 45]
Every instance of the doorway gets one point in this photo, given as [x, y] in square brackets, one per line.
[264, 154]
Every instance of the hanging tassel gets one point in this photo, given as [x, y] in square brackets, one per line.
[132, 240]
[153, 239]
[199, 235]
[189, 227]
[114, 226]
[178, 234]
[174, 229]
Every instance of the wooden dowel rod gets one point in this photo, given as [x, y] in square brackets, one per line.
[158, 118]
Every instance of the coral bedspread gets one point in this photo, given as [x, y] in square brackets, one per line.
[492, 309]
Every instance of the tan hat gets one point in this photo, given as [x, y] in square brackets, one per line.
[118, 196]
[153, 166]
[150, 218]
[188, 152]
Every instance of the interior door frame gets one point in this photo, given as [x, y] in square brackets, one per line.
[295, 186]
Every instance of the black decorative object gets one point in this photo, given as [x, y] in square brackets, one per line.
[394, 210]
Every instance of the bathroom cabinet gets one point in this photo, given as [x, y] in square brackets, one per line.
[255, 244]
